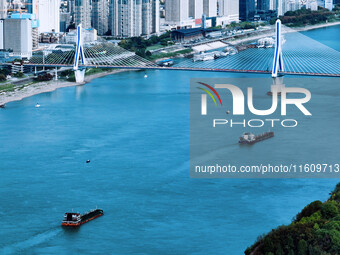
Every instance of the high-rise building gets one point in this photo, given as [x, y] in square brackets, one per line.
[48, 14]
[210, 8]
[284, 6]
[273, 5]
[155, 16]
[82, 13]
[312, 5]
[189, 13]
[263, 5]
[247, 9]
[65, 21]
[329, 4]
[176, 11]
[146, 17]
[292, 5]
[130, 18]
[70, 6]
[196, 9]
[18, 36]
[228, 10]
[35, 26]
[29, 6]
[3, 9]
[1, 34]
[126, 18]
[281, 6]
[113, 15]
[100, 12]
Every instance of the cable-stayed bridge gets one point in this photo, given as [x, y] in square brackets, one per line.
[300, 54]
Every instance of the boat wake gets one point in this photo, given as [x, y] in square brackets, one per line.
[18, 247]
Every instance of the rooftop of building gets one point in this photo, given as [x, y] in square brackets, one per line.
[190, 31]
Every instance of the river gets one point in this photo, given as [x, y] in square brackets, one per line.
[135, 131]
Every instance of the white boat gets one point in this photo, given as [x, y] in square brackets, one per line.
[283, 39]
[267, 42]
[224, 54]
[204, 56]
[230, 50]
[37, 105]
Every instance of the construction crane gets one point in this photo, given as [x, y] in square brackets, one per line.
[17, 6]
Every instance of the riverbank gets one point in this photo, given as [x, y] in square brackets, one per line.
[285, 29]
[22, 92]
[311, 27]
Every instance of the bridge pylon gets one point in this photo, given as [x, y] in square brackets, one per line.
[278, 65]
[79, 73]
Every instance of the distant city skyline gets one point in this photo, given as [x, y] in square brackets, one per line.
[126, 18]
[133, 17]
[50, 20]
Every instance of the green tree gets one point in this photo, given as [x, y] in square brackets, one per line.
[291, 252]
[140, 52]
[329, 209]
[268, 244]
[2, 77]
[5, 71]
[309, 210]
[279, 250]
[19, 74]
[44, 77]
[164, 42]
[302, 247]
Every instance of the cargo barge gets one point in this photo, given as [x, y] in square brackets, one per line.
[77, 219]
[250, 138]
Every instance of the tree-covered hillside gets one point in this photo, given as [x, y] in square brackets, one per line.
[314, 231]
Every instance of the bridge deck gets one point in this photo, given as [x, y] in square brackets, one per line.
[301, 54]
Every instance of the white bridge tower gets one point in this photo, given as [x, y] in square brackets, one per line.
[278, 60]
[79, 73]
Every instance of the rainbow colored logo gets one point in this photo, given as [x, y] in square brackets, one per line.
[209, 93]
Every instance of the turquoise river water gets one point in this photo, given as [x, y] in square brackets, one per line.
[135, 131]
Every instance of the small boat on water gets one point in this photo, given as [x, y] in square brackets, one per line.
[231, 50]
[77, 219]
[37, 105]
[204, 56]
[166, 62]
[267, 42]
[250, 138]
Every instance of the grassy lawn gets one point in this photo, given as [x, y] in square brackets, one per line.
[95, 70]
[7, 87]
[155, 47]
[90, 71]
